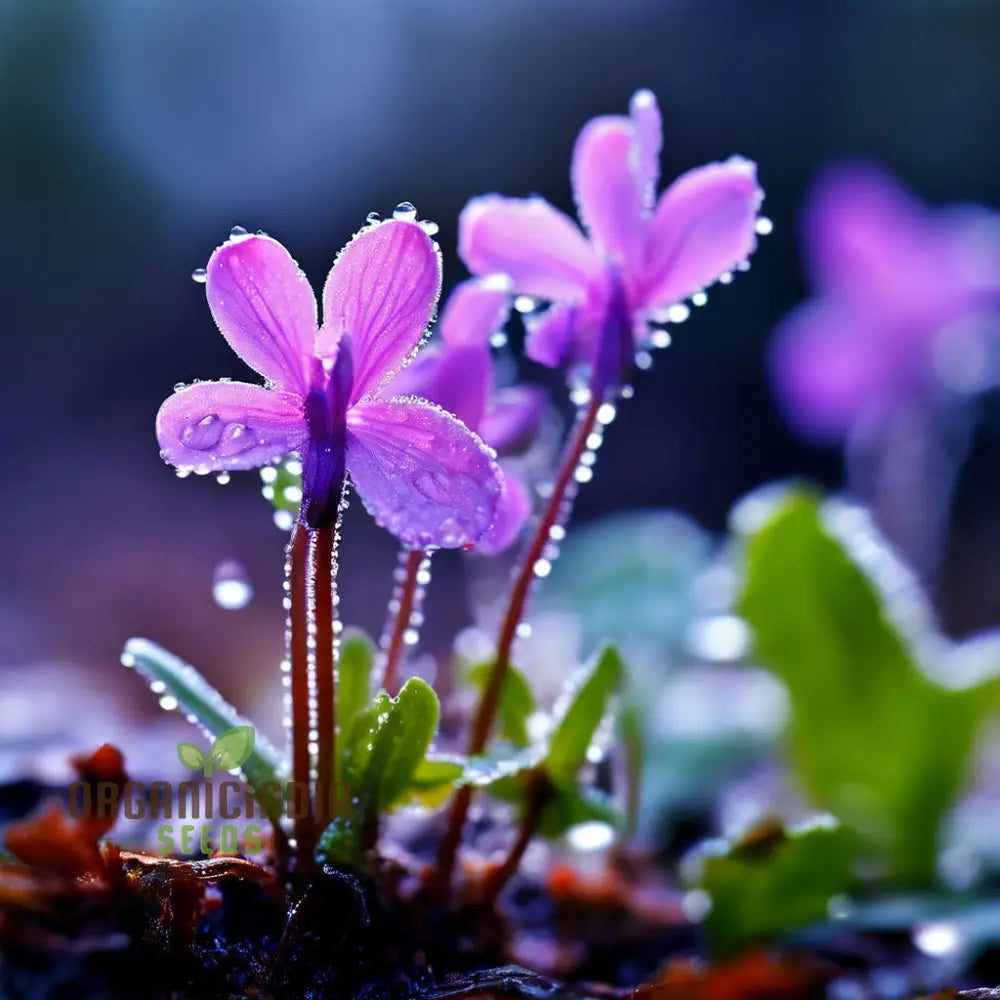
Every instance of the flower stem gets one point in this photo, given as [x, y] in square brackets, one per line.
[555, 512]
[539, 793]
[298, 653]
[405, 602]
[323, 550]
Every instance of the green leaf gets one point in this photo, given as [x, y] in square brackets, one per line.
[772, 882]
[587, 702]
[517, 702]
[190, 756]
[278, 479]
[873, 739]
[357, 657]
[196, 697]
[435, 778]
[231, 748]
[340, 843]
[388, 743]
[570, 806]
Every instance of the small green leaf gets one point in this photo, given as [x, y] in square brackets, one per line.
[190, 756]
[232, 748]
[435, 778]
[570, 806]
[357, 656]
[873, 738]
[772, 882]
[587, 702]
[517, 702]
[195, 696]
[340, 843]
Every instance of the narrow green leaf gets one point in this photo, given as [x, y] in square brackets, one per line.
[196, 697]
[873, 739]
[357, 656]
[586, 703]
[190, 756]
[403, 740]
[772, 882]
[517, 702]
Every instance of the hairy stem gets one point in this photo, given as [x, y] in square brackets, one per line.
[324, 555]
[298, 653]
[489, 703]
[407, 601]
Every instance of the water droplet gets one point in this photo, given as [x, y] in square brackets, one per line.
[222, 478]
[726, 278]
[678, 312]
[590, 836]
[525, 304]
[284, 520]
[237, 231]
[268, 474]
[203, 435]
[583, 474]
[699, 299]
[542, 567]
[200, 275]
[405, 211]
[937, 938]
[660, 338]
[231, 587]
[644, 360]
[430, 228]
[183, 472]
[606, 413]
[372, 218]
[764, 226]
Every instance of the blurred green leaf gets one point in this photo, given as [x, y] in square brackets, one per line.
[517, 702]
[283, 485]
[587, 701]
[354, 670]
[435, 779]
[873, 739]
[772, 882]
[340, 843]
[196, 697]
[570, 806]
[388, 743]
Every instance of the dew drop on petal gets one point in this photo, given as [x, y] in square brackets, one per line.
[699, 299]
[405, 211]
[678, 312]
[764, 226]
[231, 588]
[373, 217]
[237, 231]
[222, 478]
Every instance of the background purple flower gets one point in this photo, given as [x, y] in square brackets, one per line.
[457, 373]
[903, 305]
[642, 255]
[418, 470]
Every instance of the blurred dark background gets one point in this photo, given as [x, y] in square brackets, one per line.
[136, 133]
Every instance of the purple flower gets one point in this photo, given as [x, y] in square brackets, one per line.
[419, 471]
[458, 375]
[642, 257]
[902, 292]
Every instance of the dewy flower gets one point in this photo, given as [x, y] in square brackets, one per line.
[642, 256]
[902, 310]
[418, 470]
[457, 373]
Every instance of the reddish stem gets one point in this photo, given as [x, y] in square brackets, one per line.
[539, 792]
[326, 712]
[407, 601]
[489, 703]
[299, 656]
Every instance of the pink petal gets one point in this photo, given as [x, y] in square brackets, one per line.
[645, 113]
[421, 473]
[609, 190]
[550, 335]
[264, 307]
[458, 379]
[475, 310]
[702, 228]
[381, 292]
[828, 372]
[512, 417]
[229, 425]
[513, 511]
[534, 244]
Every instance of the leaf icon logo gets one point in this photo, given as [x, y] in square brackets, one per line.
[230, 750]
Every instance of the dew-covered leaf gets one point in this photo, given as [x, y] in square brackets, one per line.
[199, 700]
[771, 882]
[583, 708]
[357, 657]
[517, 702]
[872, 737]
[339, 843]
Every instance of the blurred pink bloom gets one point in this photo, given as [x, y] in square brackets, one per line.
[643, 255]
[457, 373]
[420, 472]
[903, 304]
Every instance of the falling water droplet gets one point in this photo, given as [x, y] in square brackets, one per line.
[231, 587]
[405, 211]
[200, 275]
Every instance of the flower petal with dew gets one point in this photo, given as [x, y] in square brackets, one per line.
[641, 257]
[424, 474]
